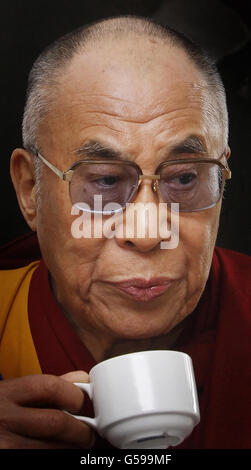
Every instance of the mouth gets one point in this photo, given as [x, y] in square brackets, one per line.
[143, 290]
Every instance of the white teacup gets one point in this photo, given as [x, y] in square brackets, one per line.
[143, 400]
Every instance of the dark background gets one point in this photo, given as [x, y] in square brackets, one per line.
[223, 27]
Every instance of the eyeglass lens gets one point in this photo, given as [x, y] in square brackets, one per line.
[115, 183]
[193, 185]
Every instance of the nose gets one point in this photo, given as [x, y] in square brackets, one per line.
[139, 227]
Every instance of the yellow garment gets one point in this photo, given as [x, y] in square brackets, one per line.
[17, 351]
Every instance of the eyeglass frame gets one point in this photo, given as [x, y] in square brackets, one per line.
[68, 174]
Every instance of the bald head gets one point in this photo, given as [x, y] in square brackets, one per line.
[139, 44]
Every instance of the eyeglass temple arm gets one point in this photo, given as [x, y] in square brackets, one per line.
[63, 175]
[227, 173]
[226, 169]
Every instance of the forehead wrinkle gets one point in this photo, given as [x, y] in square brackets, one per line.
[191, 89]
[107, 96]
[139, 118]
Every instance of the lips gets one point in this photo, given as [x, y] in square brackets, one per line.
[143, 290]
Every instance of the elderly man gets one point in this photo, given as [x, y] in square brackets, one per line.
[143, 112]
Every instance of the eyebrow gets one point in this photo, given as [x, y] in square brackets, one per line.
[93, 148]
[192, 144]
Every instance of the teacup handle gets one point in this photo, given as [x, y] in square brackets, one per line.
[88, 388]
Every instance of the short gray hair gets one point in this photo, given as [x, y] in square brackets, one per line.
[44, 75]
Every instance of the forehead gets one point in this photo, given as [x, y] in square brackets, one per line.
[136, 76]
[122, 88]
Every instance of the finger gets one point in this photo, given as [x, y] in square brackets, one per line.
[10, 441]
[76, 376]
[47, 424]
[42, 390]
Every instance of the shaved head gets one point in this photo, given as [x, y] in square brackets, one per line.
[140, 43]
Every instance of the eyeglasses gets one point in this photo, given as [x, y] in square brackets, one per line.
[194, 183]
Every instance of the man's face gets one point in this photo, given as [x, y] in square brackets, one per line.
[140, 104]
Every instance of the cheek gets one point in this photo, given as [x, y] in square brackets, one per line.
[198, 234]
[70, 260]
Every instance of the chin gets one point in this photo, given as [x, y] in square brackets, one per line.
[140, 330]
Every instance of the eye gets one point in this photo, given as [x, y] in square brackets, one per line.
[106, 181]
[186, 178]
[180, 180]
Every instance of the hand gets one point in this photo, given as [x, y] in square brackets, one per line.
[32, 416]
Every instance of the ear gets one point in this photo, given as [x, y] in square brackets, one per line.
[23, 178]
[228, 152]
